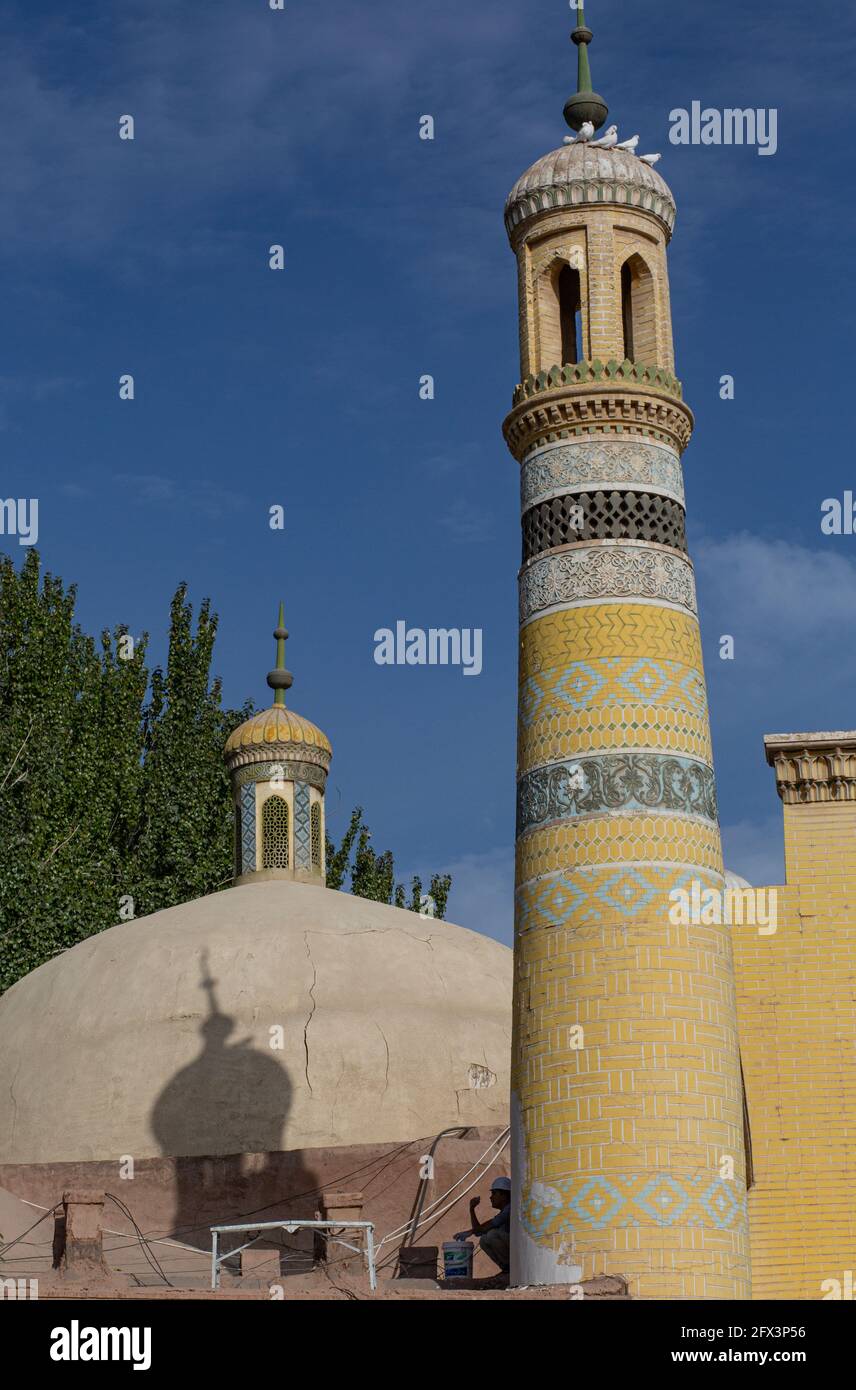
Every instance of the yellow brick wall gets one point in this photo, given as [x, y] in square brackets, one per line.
[796, 1003]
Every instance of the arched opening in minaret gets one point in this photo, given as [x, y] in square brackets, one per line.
[627, 311]
[559, 332]
[638, 312]
[275, 833]
[570, 313]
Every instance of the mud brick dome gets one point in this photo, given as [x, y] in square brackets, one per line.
[275, 1015]
[154, 1038]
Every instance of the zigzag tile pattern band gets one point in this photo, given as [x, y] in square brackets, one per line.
[615, 782]
[587, 465]
[621, 630]
[625, 570]
[570, 846]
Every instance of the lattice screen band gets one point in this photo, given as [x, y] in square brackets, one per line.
[594, 516]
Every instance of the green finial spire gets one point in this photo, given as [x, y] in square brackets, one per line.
[585, 105]
[583, 66]
[279, 679]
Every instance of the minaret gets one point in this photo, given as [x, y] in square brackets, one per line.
[627, 1097]
[278, 764]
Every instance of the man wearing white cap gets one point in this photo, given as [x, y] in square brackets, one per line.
[495, 1235]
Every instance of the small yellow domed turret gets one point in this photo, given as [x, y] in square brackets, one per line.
[278, 763]
[277, 725]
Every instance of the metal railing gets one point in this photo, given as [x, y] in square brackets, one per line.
[217, 1258]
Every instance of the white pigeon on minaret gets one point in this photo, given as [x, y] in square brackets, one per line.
[584, 136]
[650, 158]
[629, 144]
[608, 139]
[587, 131]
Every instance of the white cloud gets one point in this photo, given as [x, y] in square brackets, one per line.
[482, 896]
[468, 522]
[773, 586]
[233, 105]
[792, 613]
[755, 851]
[194, 495]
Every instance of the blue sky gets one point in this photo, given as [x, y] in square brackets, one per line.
[300, 388]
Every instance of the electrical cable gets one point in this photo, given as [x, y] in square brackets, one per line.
[146, 1239]
[422, 1190]
[295, 1197]
[152, 1259]
[144, 1245]
[293, 1251]
[432, 1217]
[479, 1163]
[47, 1212]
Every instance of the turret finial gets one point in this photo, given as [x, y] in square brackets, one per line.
[279, 679]
[585, 107]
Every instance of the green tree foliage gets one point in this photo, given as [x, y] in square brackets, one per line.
[185, 844]
[114, 798]
[103, 794]
[373, 875]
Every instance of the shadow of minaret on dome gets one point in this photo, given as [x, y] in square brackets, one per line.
[232, 1084]
[188, 1115]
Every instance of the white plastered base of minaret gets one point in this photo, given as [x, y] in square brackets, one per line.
[531, 1263]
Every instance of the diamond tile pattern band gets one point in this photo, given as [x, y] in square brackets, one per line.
[598, 1200]
[248, 828]
[616, 893]
[302, 831]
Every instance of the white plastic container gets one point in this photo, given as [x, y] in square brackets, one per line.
[457, 1259]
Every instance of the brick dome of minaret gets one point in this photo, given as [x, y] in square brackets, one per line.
[583, 174]
[277, 730]
[585, 171]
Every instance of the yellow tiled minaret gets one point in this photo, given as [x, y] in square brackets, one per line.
[627, 1105]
